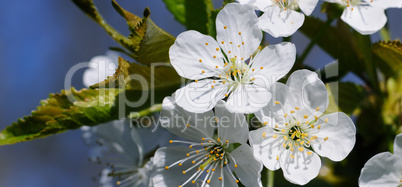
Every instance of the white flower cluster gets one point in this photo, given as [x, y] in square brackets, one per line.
[230, 77]
[281, 18]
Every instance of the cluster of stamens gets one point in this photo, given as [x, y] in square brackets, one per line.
[298, 134]
[285, 4]
[357, 2]
[234, 69]
[207, 156]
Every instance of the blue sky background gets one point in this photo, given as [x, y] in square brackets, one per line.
[39, 42]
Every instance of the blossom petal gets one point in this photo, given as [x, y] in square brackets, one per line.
[364, 19]
[200, 96]
[384, 4]
[248, 169]
[272, 63]
[248, 98]
[100, 67]
[175, 119]
[280, 23]
[242, 35]
[307, 6]
[227, 179]
[173, 176]
[192, 53]
[263, 4]
[274, 113]
[309, 92]
[398, 145]
[266, 149]
[302, 168]
[341, 134]
[383, 169]
[232, 126]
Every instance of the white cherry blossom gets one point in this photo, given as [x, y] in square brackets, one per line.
[122, 148]
[366, 16]
[100, 67]
[233, 66]
[205, 155]
[384, 169]
[280, 18]
[295, 132]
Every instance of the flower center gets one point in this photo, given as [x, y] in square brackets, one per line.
[286, 4]
[298, 131]
[209, 155]
[349, 3]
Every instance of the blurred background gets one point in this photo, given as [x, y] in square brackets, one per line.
[39, 42]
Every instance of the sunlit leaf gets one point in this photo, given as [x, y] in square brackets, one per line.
[61, 112]
[72, 109]
[389, 55]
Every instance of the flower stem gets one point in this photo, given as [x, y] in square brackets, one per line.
[270, 181]
[145, 112]
[384, 32]
[313, 41]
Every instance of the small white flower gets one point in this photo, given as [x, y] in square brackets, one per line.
[280, 18]
[295, 132]
[208, 157]
[366, 16]
[100, 67]
[227, 68]
[122, 148]
[384, 169]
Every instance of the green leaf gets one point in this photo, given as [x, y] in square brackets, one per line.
[194, 14]
[345, 96]
[150, 42]
[134, 76]
[147, 42]
[60, 112]
[154, 47]
[73, 109]
[337, 41]
[132, 20]
[389, 55]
